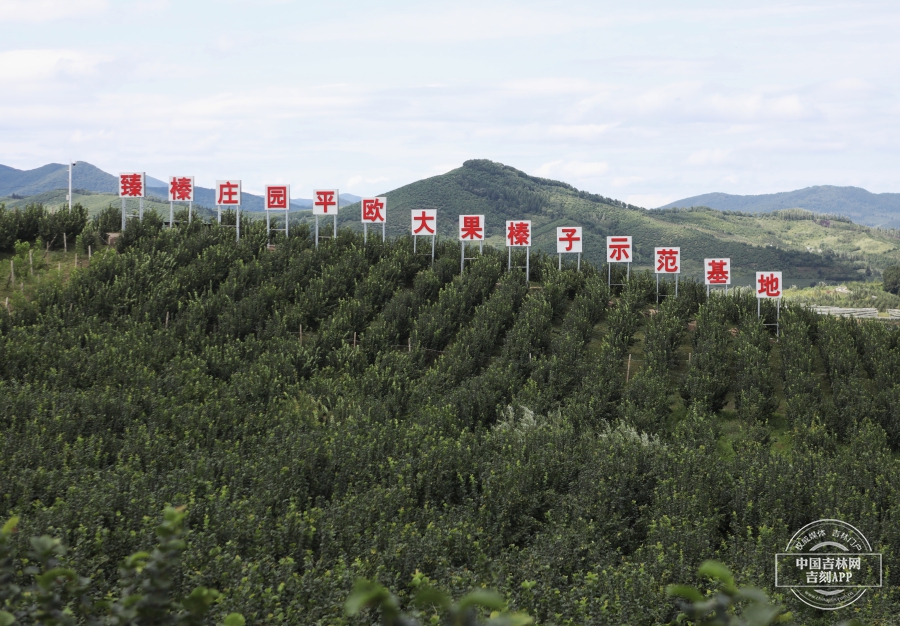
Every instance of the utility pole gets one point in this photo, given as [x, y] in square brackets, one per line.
[71, 165]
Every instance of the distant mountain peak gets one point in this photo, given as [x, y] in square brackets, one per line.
[860, 205]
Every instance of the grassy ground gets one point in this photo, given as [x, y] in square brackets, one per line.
[819, 236]
[848, 295]
[46, 266]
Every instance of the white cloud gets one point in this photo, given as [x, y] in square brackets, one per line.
[624, 181]
[48, 10]
[457, 24]
[355, 181]
[650, 200]
[572, 170]
[33, 66]
[715, 156]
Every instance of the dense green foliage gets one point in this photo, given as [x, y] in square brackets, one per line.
[356, 412]
[36, 222]
[57, 596]
[891, 278]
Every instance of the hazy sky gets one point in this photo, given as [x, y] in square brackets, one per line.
[641, 101]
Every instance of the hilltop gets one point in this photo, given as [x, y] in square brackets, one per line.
[803, 246]
[863, 207]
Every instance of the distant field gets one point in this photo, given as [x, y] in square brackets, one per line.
[847, 295]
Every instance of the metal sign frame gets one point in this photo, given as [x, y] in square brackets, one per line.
[124, 196]
[379, 203]
[321, 199]
[462, 240]
[611, 239]
[235, 205]
[575, 242]
[510, 245]
[268, 208]
[426, 214]
[726, 267]
[173, 200]
[759, 298]
[677, 272]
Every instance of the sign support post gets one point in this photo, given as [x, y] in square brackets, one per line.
[569, 241]
[518, 235]
[326, 202]
[427, 226]
[618, 250]
[277, 198]
[667, 261]
[768, 286]
[716, 272]
[132, 185]
[181, 189]
[228, 193]
[471, 227]
[371, 212]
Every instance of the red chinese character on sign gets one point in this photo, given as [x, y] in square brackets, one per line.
[181, 189]
[424, 218]
[717, 274]
[471, 228]
[519, 234]
[372, 210]
[276, 197]
[132, 185]
[325, 199]
[769, 285]
[569, 237]
[227, 193]
[618, 248]
[667, 260]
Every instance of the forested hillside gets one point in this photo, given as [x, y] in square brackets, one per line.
[860, 205]
[355, 411]
[806, 250]
[808, 247]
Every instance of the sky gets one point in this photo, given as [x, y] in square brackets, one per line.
[644, 101]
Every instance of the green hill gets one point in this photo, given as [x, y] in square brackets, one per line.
[56, 176]
[806, 246]
[804, 249]
[860, 205]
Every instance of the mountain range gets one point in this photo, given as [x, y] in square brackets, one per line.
[805, 245]
[863, 207]
[87, 177]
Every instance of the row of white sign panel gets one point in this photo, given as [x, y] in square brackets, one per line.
[471, 227]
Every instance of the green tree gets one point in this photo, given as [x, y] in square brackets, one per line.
[891, 278]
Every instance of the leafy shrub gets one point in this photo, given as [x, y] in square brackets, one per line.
[891, 279]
